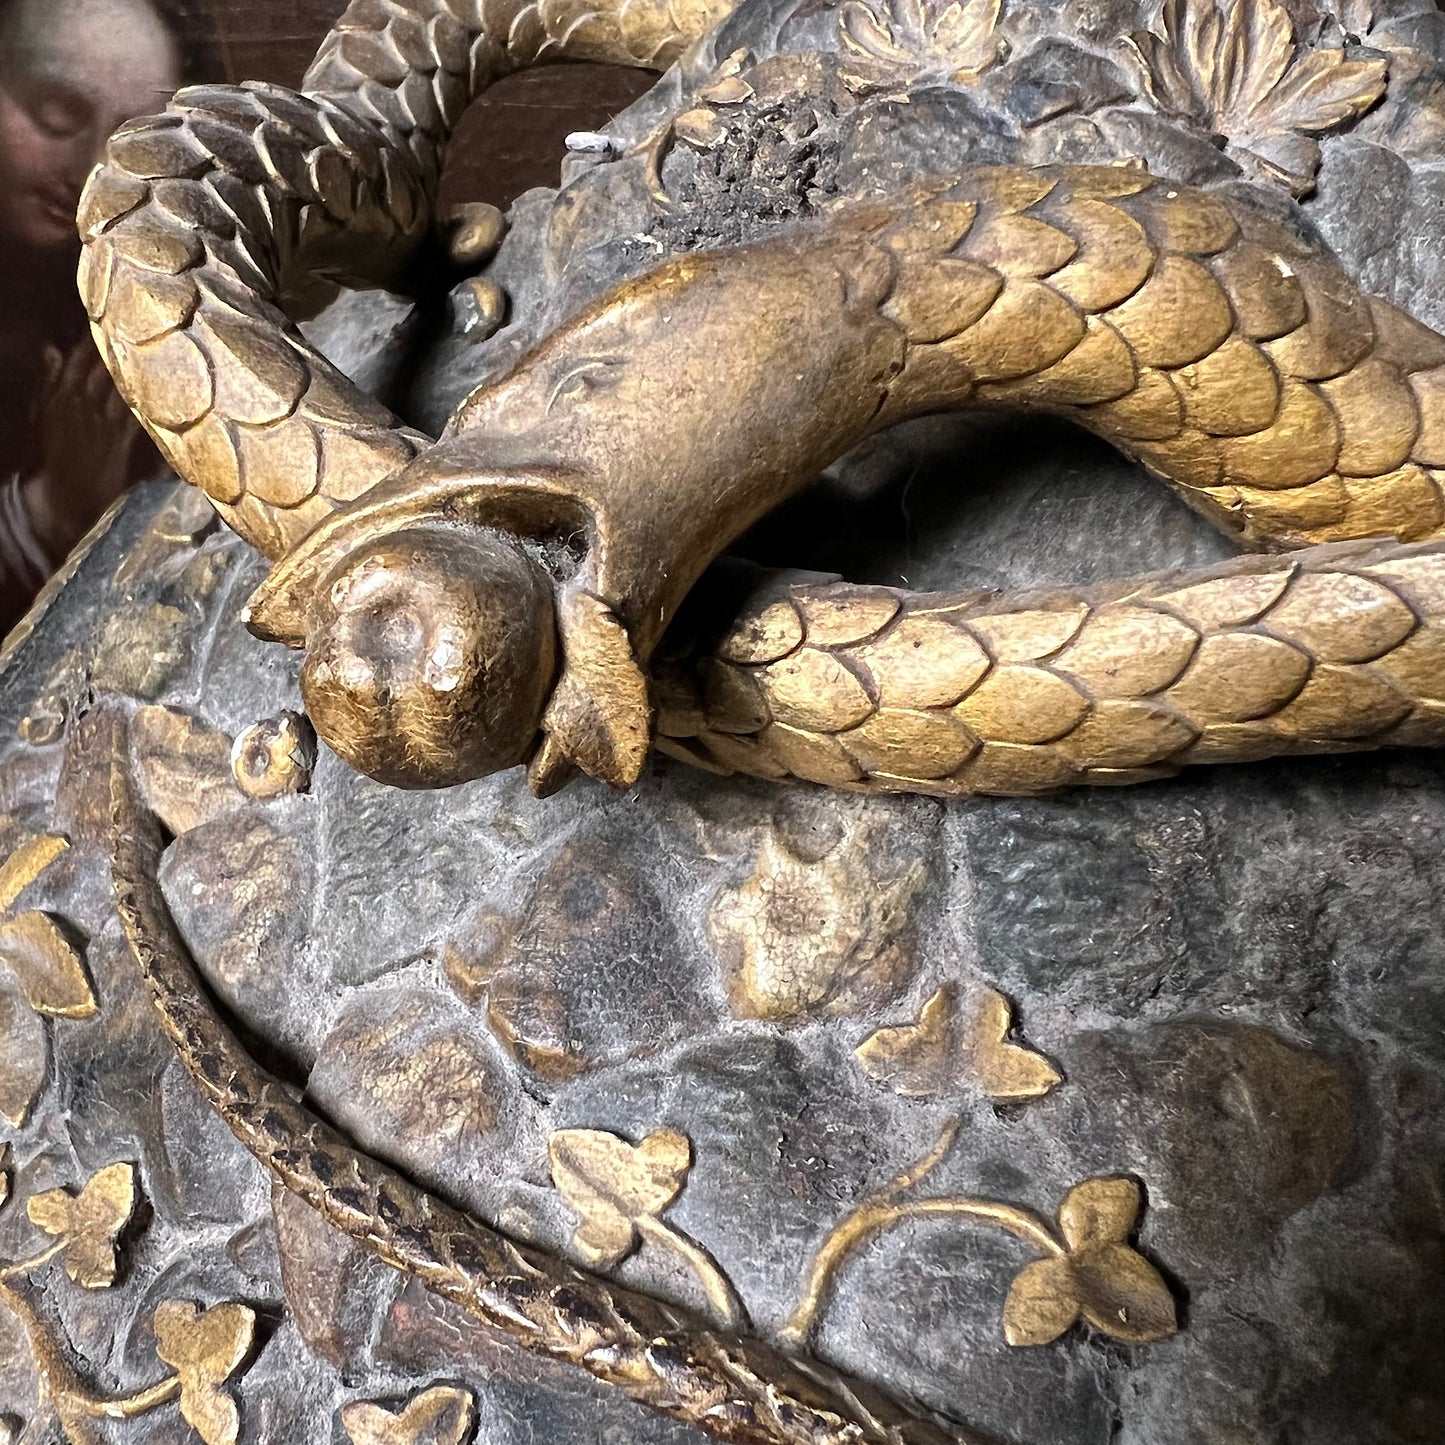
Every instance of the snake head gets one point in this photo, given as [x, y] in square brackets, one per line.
[449, 635]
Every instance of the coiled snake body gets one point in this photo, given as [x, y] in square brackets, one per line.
[1207, 340]
[574, 502]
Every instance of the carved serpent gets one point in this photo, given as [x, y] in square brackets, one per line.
[734, 1388]
[1209, 342]
[533, 557]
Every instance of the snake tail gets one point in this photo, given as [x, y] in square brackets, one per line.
[732, 1387]
[1330, 649]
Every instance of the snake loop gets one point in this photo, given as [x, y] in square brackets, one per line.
[574, 502]
[198, 218]
[1195, 333]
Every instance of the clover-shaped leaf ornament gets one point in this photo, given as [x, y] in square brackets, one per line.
[926, 1056]
[442, 1415]
[620, 1191]
[88, 1222]
[1098, 1276]
[614, 1185]
[205, 1347]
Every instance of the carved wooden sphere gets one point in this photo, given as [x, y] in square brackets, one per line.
[433, 656]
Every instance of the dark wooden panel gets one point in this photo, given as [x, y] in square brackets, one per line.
[510, 140]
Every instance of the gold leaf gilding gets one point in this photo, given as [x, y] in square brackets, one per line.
[915, 1059]
[801, 937]
[620, 1191]
[26, 864]
[1099, 1276]
[47, 966]
[205, 1347]
[925, 1057]
[274, 758]
[442, 1415]
[613, 1184]
[1006, 1071]
[88, 1222]
[1088, 1267]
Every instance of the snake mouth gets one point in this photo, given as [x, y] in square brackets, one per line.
[504, 555]
[535, 504]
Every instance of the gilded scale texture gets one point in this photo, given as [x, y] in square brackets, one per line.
[1236, 360]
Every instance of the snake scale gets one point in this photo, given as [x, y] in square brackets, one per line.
[1207, 340]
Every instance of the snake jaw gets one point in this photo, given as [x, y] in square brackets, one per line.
[599, 717]
[450, 633]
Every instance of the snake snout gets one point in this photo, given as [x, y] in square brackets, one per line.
[432, 655]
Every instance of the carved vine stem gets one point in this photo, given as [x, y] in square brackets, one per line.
[72, 1399]
[28, 1266]
[1087, 1269]
[204, 1347]
[882, 1210]
[729, 1309]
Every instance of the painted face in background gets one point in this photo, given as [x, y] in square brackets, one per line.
[70, 72]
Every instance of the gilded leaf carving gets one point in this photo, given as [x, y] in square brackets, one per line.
[44, 961]
[89, 1222]
[1236, 69]
[1005, 1070]
[940, 1047]
[1088, 1268]
[205, 1347]
[613, 1185]
[46, 965]
[442, 1415]
[894, 43]
[24, 1055]
[1099, 1277]
[620, 1191]
[26, 864]
[804, 936]
[915, 1059]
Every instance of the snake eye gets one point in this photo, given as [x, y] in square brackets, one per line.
[433, 657]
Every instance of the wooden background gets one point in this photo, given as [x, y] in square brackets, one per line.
[511, 138]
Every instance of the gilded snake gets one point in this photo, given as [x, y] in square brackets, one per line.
[1200, 336]
[573, 503]
[734, 1388]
